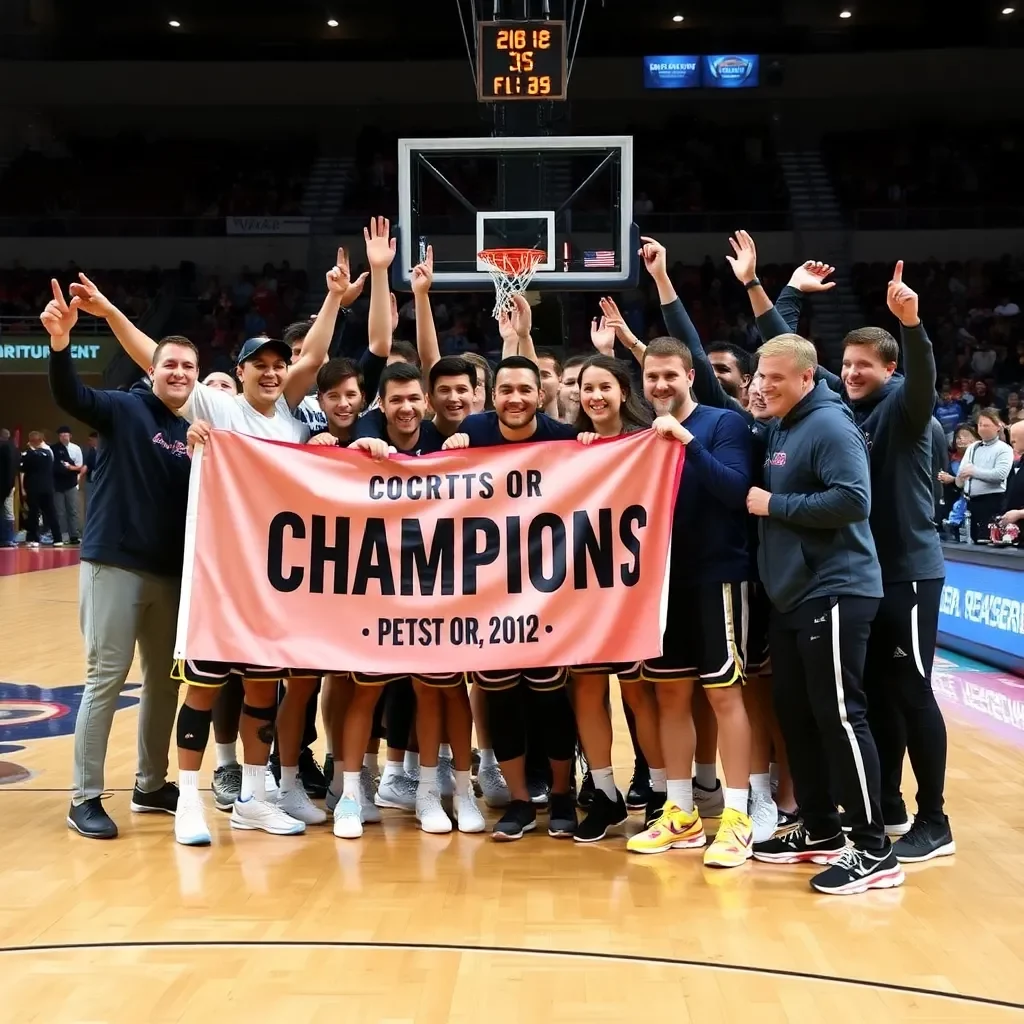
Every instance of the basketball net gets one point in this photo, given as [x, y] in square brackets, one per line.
[511, 271]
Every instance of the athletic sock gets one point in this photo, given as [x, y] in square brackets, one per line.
[188, 780]
[411, 762]
[254, 782]
[428, 778]
[227, 754]
[445, 750]
[487, 758]
[462, 783]
[370, 761]
[604, 780]
[706, 775]
[680, 793]
[329, 745]
[736, 799]
[392, 769]
[350, 785]
[658, 780]
[773, 772]
[289, 779]
[761, 784]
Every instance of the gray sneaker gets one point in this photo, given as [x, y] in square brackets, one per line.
[227, 786]
[493, 788]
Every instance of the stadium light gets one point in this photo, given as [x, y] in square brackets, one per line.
[1009, 10]
[174, 24]
[846, 14]
[332, 22]
[677, 18]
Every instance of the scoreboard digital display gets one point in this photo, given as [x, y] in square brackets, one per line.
[521, 60]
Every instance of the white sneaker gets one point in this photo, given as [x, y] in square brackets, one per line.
[765, 816]
[296, 804]
[399, 792]
[367, 793]
[266, 817]
[445, 776]
[493, 787]
[467, 813]
[431, 814]
[348, 824]
[273, 790]
[190, 828]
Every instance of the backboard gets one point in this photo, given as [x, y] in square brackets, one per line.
[569, 196]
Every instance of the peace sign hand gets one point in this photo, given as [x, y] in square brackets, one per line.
[59, 318]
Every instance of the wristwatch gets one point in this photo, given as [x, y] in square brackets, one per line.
[752, 283]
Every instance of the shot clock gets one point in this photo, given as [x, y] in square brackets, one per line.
[521, 60]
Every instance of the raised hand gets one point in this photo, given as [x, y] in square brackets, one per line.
[505, 326]
[380, 248]
[423, 274]
[810, 277]
[59, 317]
[521, 316]
[340, 283]
[652, 252]
[90, 298]
[602, 334]
[744, 260]
[617, 322]
[902, 299]
[394, 313]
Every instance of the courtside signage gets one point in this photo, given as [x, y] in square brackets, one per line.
[513, 557]
[984, 605]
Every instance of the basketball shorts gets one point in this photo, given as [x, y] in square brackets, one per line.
[607, 668]
[704, 637]
[216, 673]
[378, 678]
[756, 656]
[441, 680]
[540, 679]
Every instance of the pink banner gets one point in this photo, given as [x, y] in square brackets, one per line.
[512, 557]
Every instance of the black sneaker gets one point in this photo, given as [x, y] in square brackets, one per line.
[925, 841]
[639, 791]
[562, 816]
[311, 775]
[161, 801]
[91, 820]
[585, 796]
[897, 821]
[655, 805]
[519, 818]
[329, 770]
[603, 815]
[539, 791]
[787, 819]
[859, 870]
[795, 846]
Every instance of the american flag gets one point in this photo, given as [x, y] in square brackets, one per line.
[594, 258]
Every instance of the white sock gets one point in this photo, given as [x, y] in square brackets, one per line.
[188, 780]
[428, 778]
[411, 762]
[736, 799]
[773, 772]
[604, 780]
[487, 758]
[350, 785]
[289, 779]
[680, 793]
[658, 780]
[392, 769]
[370, 761]
[705, 775]
[254, 782]
[227, 754]
[445, 750]
[329, 745]
[761, 784]
[462, 783]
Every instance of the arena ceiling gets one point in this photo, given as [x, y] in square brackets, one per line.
[430, 29]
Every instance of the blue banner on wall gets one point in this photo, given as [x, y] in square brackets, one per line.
[984, 606]
[672, 72]
[730, 71]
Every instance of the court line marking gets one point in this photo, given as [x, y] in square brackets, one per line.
[447, 947]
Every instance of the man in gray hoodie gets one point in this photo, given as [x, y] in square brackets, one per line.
[818, 564]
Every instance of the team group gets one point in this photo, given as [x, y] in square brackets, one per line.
[803, 527]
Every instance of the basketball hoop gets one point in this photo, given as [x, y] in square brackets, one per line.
[511, 271]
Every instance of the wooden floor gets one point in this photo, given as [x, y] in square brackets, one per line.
[407, 927]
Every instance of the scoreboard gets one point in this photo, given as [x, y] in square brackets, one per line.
[521, 60]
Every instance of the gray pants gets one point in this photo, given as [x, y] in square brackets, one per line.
[116, 609]
[66, 503]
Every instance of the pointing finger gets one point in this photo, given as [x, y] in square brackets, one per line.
[897, 274]
[58, 296]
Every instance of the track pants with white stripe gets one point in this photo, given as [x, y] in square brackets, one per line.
[902, 711]
[818, 652]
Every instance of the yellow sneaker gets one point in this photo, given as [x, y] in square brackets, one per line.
[733, 846]
[674, 830]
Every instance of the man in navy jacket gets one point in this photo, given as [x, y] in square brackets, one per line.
[132, 554]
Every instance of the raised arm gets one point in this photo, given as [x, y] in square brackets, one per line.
[521, 321]
[426, 329]
[84, 403]
[380, 251]
[916, 398]
[139, 345]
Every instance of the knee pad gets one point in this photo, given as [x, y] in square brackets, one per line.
[266, 717]
[193, 728]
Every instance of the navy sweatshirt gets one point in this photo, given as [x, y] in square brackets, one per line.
[139, 490]
[815, 540]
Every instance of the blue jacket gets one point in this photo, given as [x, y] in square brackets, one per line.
[139, 492]
[815, 540]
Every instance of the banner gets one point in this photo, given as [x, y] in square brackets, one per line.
[984, 605]
[30, 353]
[528, 555]
[267, 225]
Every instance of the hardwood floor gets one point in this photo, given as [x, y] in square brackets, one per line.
[402, 926]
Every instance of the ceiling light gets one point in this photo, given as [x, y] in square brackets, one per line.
[1008, 10]
[677, 18]
[846, 14]
[174, 24]
[332, 22]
